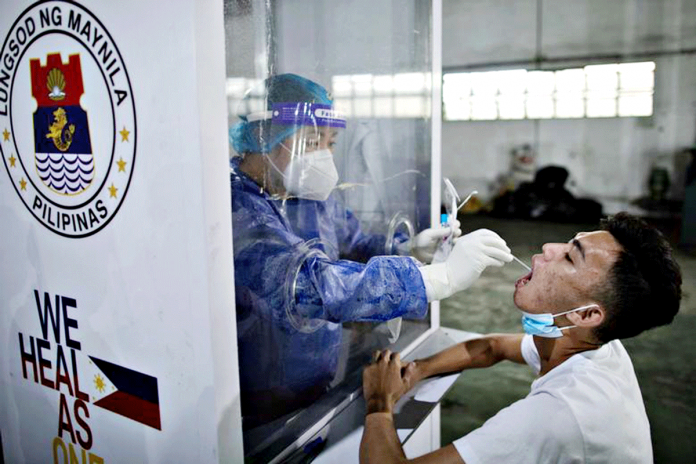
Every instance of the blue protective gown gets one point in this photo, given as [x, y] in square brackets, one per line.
[283, 368]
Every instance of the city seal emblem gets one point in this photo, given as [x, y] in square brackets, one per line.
[67, 118]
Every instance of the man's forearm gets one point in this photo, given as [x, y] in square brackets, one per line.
[384, 381]
[380, 443]
[479, 352]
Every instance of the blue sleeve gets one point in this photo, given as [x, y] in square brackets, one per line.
[267, 256]
[384, 288]
[353, 243]
[356, 245]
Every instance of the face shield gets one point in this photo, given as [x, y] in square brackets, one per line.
[302, 136]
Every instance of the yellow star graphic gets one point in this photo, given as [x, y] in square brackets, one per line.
[23, 184]
[6, 135]
[99, 383]
[112, 191]
[121, 165]
[12, 161]
[124, 134]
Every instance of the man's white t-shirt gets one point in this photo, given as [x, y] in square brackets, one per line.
[589, 409]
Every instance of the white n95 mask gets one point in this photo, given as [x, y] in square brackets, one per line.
[542, 324]
[311, 176]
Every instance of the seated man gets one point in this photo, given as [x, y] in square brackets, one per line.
[586, 406]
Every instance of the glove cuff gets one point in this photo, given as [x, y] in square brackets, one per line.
[436, 281]
[404, 248]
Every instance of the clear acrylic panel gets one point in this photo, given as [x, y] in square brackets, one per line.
[383, 85]
[317, 278]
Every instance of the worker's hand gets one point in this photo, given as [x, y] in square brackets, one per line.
[471, 254]
[424, 244]
[383, 383]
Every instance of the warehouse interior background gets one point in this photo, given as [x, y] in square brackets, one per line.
[608, 159]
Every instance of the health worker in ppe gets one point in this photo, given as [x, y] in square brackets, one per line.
[302, 264]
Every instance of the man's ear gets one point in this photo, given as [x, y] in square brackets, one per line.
[588, 318]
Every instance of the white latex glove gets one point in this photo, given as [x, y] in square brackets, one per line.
[425, 243]
[471, 254]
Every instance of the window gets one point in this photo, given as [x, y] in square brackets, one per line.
[595, 91]
[401, 95]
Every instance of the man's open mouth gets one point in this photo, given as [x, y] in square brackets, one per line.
[524, 280]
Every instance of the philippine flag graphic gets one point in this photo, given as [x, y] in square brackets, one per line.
[64, 158]
[126, 392]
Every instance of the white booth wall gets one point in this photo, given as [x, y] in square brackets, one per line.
[609, 159]
[148, 288]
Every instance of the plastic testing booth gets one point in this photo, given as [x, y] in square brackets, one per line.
[119, 322]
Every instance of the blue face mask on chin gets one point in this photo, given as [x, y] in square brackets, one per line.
[542, 324]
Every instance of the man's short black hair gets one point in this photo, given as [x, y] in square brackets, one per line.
[644, 286]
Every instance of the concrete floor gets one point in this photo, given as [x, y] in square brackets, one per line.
[663, 358]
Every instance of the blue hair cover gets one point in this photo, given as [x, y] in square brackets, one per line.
[260, 136]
